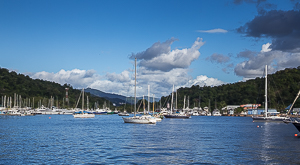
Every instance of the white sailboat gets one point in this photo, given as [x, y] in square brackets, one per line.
[124, 113]
[268, 116]
[145, 119]
[176, 115]
[83, 114]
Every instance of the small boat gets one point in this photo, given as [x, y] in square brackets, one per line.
[268, 116]
[216, 112]
[83, 114]
[144, 119]
[123, 113]
[100, 112]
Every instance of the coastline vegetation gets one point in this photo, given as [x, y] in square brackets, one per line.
[282, 88]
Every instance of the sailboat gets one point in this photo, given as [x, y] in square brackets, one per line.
[268, 116]
[294, 120]
[124, 113]
[176, 115]
[145, 119]
[83, 114]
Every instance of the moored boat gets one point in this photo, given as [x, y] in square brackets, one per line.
[268, 116]
[294, 120]
[176, 115]
[138, 119]
[83, 114]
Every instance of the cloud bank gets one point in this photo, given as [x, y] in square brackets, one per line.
[160, 56]
[282, 28]
[254, 63]
[159, 66]
[78, 78]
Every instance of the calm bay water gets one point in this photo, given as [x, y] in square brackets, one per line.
[106, 139]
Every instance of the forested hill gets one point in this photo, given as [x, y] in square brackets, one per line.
[11, 82]
[282, 89]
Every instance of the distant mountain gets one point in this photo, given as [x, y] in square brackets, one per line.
[115, 98]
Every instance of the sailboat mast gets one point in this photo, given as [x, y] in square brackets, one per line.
[266, 91]
[134, 87]
[293, 103]
[87, 102]
[176, 100]
[148, 99]
[153, 104]
[172, 99]
[184, 102]
[144, 105]
[82, 99]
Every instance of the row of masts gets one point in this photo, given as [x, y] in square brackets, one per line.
[18, 102]
[184, 101]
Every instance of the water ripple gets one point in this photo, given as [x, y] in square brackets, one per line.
[107, 140]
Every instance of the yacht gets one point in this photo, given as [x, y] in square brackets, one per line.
[144, 119]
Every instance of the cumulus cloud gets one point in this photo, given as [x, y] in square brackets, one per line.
[276, 60]
[219, 58]
[159, 66]
[164, 59]
[203, 80]
[155, 50]
[122, 77]
[123, 83]
[265, 47]
[76, 77]
[160, 82]
[281, 26]
[213, 31]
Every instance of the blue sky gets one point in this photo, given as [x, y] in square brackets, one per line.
[193, 42]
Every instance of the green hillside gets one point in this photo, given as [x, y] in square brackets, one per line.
[282, 89]
[40, 90]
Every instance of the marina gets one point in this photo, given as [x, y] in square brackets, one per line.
[106, 139]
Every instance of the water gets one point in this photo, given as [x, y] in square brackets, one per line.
[106, 139]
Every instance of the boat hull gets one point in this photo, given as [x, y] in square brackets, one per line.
[123, 114]
[297, 125]
[139, 120]
[84, 116]
[100, 113]
[273, 118]
[178, 116]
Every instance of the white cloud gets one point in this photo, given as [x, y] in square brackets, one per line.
[173, 59]
[155, 50]
[151, 72]
[78, 78]
[266, 47]
[213, 31]
[276, 60]
[123, 83]
[203, 80]
[123, 77]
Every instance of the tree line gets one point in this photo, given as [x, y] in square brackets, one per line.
[282, 89]
[42, 91]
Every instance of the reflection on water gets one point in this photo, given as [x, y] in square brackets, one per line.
[106, 139]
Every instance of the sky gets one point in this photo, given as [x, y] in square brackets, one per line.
[93, 43]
